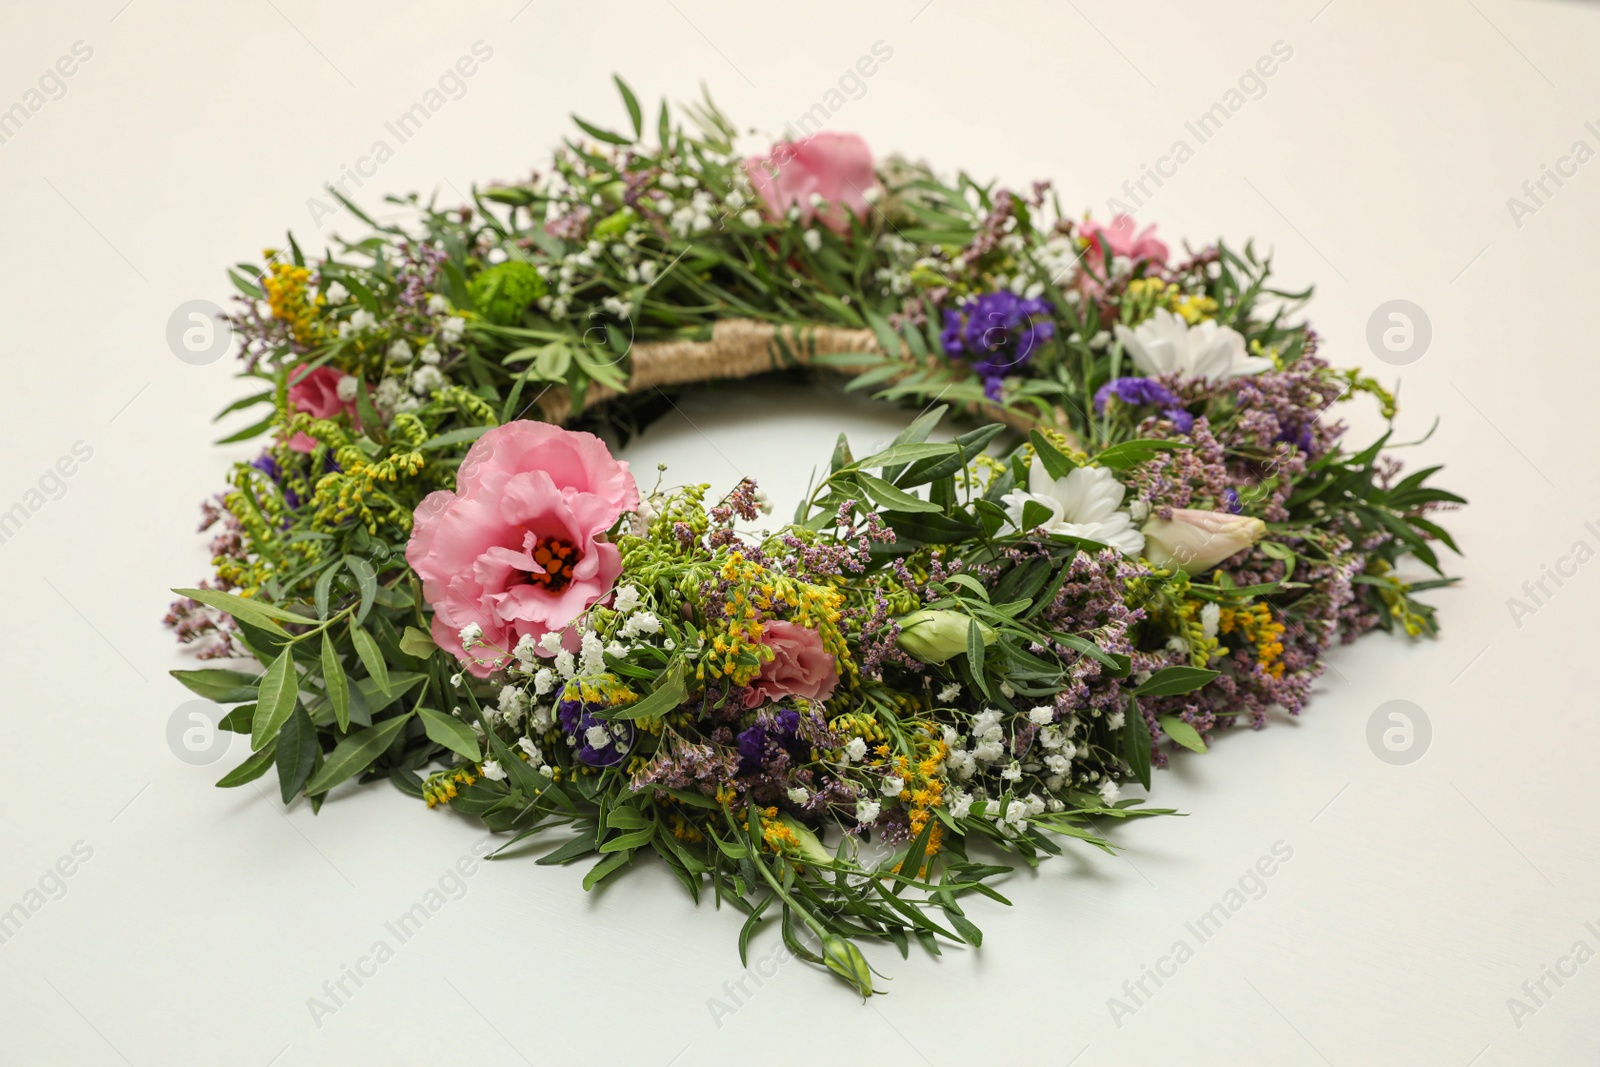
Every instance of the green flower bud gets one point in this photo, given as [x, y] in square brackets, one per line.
[934, 636]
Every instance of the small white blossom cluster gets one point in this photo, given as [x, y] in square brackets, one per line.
[1013, 789]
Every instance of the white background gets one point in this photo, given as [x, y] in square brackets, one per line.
[1377, 165]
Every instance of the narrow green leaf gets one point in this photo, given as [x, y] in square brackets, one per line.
[1171, 681]
[635, 114]
[221, 686]
[371, 657]
[297, 751]
[337, 682]
[1136, 742]
[416, 643]
[892, 498]
[250, 769]
[1183, 733]
[279, 687]
[600, 871]
[355, 754]
[366, 581]
[452, 733]
[263, 615]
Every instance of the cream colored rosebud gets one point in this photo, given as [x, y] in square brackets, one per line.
[1198, 540]
[933, 636]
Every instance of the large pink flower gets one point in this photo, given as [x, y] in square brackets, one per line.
[317, 394]
[1124, 239]
[520, 547]
[799, 667]
[835, 166]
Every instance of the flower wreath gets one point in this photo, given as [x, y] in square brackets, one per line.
[959, 648]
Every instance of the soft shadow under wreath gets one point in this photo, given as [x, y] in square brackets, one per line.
[1145, 530]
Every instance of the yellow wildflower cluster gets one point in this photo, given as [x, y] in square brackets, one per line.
[1394, 592]
[290, 299]
[684, 830]
[261, 518]
[352, 490]
[923, 788]
[754, 593]
[601, 689]
[441, 788]
[1144, 295]
[1202, 649]
[775, 833]
[1261, 630]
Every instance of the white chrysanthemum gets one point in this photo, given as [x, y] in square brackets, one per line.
[1085, 503]
[337, 293]
[1166, 344]
[493, 772]
[866, 810]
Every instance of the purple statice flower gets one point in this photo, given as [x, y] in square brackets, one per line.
[997, 332]
[584, 732]
[1230, 497]
[1135, 391]
[770, 737]
[267, 464]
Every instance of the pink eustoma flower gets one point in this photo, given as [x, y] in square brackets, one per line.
[520, 548]
[799, 667]
[1125, 239]
[835, 166]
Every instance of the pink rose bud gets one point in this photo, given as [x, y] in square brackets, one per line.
[1199, 540]
[800, 666]
[316, 392]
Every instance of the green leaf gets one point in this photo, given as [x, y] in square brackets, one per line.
[221, 686]
[1171, 681]
[631, 840]
[253, 430]
[452, 733]
[324, 587]
[1132, 453]
[600, 871]
[466, 435]
[1183, 733]
[297, 751]
[1056, 464]
[366, 580]
[1136, 743]
[355, 754]
[337, 682]
[254, 611]
[975, 646]
[669, 692]
[250, 769]
[600, 135]
[276, 702]
[416, 643]
[371, 656]
[892, 498]
[909, 452]
[632, 103]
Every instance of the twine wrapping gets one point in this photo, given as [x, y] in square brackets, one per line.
[743, 348]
